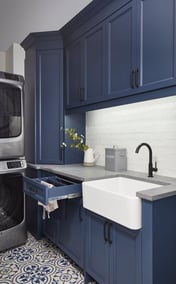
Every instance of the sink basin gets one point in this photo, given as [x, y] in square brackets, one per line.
[115, 199]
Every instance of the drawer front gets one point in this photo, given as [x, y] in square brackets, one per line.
[51, 188]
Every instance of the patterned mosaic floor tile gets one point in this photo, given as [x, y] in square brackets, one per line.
[38, 262]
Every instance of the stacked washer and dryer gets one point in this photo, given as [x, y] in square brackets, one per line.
[12, 162]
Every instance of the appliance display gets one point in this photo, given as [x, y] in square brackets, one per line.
[11, 116]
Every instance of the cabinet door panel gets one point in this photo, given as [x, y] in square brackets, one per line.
[51, 226]
[71, 235]
[94, 57]
[48, 103]
[157, 43]
[97, 256]
[125, 260]
[120, 51]
[74, 73]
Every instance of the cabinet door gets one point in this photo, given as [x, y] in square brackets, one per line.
[71, 230]
[74, 69]
[121, 38]
[33, 217]
[94, 64]
[125, 258]
[97, 249]
[157, 43]
[51, 226]
[49, 106]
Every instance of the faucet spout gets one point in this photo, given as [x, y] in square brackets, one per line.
[151, 169]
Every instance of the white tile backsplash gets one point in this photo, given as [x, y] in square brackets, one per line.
[127, 126]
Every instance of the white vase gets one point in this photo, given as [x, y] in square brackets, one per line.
[89, 157]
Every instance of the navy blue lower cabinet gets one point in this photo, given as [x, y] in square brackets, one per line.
[159, 241]
[51, 226]
[65, 228]
[113, 253]
[70, 235]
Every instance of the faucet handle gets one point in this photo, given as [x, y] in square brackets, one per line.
[155, 168]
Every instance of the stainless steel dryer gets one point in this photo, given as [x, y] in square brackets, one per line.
[11, 116]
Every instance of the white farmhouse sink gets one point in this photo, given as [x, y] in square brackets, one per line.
[115, 199]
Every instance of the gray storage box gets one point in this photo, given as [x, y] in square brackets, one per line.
[115, 159]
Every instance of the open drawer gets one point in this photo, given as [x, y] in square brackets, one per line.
[51, 188]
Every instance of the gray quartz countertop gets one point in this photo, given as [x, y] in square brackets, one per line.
[82, 173]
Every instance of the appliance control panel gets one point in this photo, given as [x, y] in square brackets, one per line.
[12, 165]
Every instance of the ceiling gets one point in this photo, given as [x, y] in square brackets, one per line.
[18, 18]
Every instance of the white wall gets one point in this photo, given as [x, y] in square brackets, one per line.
[9, 59]
[15, 56]
[18, 18]
[127, 126]
[2, 61]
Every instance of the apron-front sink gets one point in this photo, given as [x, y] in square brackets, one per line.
[115, 199]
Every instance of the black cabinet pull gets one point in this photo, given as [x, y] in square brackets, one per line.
[105, 227]
[132, 79]
[61, 150]
[80, 212]
[109, 233]
[61, 153]
[81, 94]
[137, 78]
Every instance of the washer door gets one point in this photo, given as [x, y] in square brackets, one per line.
[11, 200]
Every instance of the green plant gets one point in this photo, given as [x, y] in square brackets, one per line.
[77, 139]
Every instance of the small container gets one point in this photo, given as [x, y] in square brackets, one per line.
[115, 159]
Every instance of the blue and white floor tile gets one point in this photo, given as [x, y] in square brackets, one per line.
[38, 262]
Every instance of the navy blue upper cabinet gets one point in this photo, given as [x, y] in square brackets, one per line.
[121, 51]
[118, 49]
[43, 104]
[156, 55]
[85, 66]
[141, 47]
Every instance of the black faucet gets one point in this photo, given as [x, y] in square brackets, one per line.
[151, 169]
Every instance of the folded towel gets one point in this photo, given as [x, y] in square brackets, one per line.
[52, 204]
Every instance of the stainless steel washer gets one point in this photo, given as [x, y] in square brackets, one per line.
[12, 204]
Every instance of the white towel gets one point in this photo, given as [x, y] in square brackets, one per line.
[52, 204]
